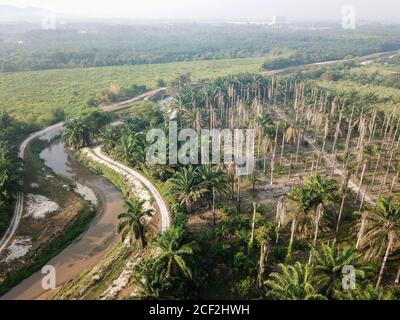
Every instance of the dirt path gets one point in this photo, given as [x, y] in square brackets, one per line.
[368, 58]
[97, 155]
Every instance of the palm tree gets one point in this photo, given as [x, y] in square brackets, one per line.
[187, 187]
[381, 234]
[364, 293]
[192, 118]
[215, 182]
[329, 261]
[370, 152]
[130, 222]
[325, 189]
[76, 134]
[173, 254]
[107, 138]
[304, 203]
[130, 149]
[293, 283]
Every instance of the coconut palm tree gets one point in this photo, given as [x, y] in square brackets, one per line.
[130, 223]
[304, 202]
[293, 283]
[107, 138]
[187, 187]
[329, 261]
[325, 189]
[215, 183]
[131, 149]
[369, 153]
[76, 134]
[381, 234]
[173, 254]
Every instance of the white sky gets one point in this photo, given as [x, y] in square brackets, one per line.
[216, 9]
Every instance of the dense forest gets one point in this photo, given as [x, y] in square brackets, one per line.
[9, 166]
[93, 45]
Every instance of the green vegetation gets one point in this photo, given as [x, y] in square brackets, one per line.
[130, 222]
[317, 229]
[96, 45]
[33, 97]
[9, 166]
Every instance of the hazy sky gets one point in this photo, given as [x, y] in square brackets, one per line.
[217, 9]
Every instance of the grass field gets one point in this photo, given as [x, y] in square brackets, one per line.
[31, 96]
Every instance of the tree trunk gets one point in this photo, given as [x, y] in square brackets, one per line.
[397, 278]
[337, 132]
[340, 215]
[318, 216]
[349, 131]
[298, 147]
[386, 175]
[238, 190]
[283, 149]
[253, 225]
[388, 249]
[290, 166]
[293, 230]
[213, 207]
[360, 235]
[361, 181]
[263, 259]
[375, 171]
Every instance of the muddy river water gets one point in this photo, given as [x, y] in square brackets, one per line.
[90, 247]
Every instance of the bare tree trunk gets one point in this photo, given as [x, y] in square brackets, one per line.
[263, 259]
[283, 149]
[213, 207]
[386, 175]
[340, 215]
[293, 230]
[290, 166]
[361, 181]
[337, 132]
[392, 185]
[253, 225]
[298, 147]
[397, 278]
[360, 235]
[349, 131]
[388, 249]
[375, 171]
[273, 156]
[318, 216]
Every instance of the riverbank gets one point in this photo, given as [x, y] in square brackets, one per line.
[112, 277]
[52, 218]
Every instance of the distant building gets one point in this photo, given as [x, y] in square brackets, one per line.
[278, 20]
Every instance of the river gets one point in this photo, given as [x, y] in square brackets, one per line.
[87, 250]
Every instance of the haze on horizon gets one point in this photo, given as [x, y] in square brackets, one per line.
[216, 9]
